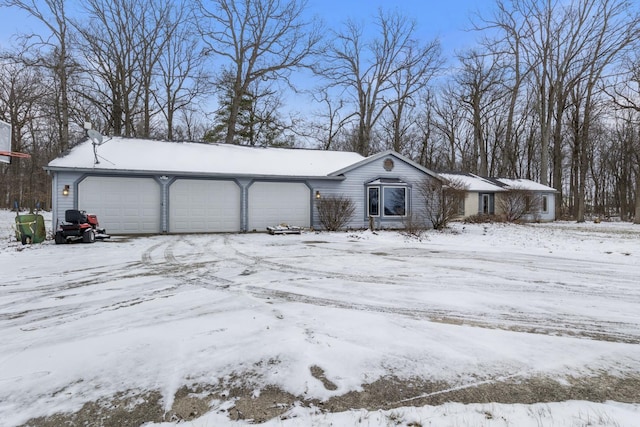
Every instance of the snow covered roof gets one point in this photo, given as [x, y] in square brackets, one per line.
[141, 155]
[525, 184]
[472, 182]
[481, 184]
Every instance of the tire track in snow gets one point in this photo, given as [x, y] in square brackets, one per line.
[458, 261]
[567, 327]
[258, 261]
[195, 272]
[59, 314]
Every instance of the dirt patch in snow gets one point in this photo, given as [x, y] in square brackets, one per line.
[124, 409]
[249, 403]
[318, 373]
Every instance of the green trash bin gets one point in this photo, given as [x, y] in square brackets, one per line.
[30, 228]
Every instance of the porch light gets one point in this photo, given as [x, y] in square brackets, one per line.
[317, 194]
[65, 190]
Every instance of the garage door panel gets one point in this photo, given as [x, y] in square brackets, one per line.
[123, 205]
[272, 203]
[204, 206]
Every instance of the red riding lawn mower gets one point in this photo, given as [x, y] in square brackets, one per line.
[79, 226]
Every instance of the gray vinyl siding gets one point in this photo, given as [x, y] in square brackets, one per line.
[550, 214]
[355, 184]
[62, 203]
[544, 216]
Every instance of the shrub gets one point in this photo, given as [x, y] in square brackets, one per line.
[414, 226]
[481, 219]
[335, 211]
[442, 202]
[518, 202]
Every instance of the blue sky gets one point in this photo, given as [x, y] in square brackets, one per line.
[435, 18]
[446, 19]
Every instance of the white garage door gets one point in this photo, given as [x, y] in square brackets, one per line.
[273, 203]
[123, 205]
[204, 206]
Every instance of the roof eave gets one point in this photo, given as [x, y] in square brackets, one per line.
[191, 174]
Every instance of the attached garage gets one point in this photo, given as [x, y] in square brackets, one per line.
[123, 205]
[198, 205]
[272, 203]
[151, 187]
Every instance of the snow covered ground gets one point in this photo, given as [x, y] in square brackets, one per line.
[474, 306]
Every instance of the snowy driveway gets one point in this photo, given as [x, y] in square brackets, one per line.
[80, 322]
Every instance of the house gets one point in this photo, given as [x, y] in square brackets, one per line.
[493, 196]
[138, 186]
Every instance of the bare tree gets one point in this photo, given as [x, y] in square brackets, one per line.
[121, 58]
[448, 118]
[626, 95]
[157, 26]
[331, 120]
[480, 79]
[442, 201]
[510, 33]
[612, 31]
[418, 66]
[182, 76]
[52, 53]
[518, 202]
[257, 40]
[365, 69]
[20, 96]
[555, 48]
[191, 123]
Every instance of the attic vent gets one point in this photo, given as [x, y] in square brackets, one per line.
[388, 165]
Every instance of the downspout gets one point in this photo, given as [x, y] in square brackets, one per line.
[54, 201]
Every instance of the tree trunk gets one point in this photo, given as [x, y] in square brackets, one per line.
[557, 152]
[636, 218]
[234, 107]
[64, 102]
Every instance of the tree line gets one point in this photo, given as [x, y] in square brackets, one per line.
[550, 91]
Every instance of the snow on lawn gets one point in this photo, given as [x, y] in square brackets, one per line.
[475, 304]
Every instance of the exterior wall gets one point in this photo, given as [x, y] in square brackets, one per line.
[355, 184]
[61, 203]
[550, 214]
[471, 206]
[544, 216]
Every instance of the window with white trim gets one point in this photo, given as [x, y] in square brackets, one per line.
[394, 200]
[387, 198]
[486, 204]
[373, 201]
